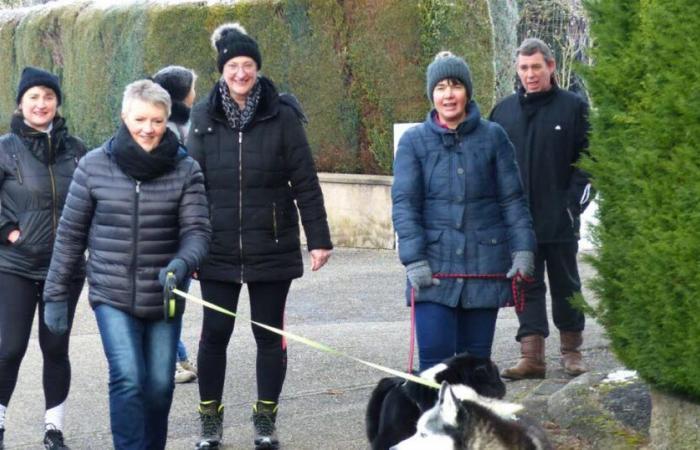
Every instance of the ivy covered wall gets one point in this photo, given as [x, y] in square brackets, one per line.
[357, 66]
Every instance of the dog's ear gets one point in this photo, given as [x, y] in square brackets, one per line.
[449, 404]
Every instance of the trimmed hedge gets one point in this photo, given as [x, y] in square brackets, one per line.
[357, 66]
[646, 165]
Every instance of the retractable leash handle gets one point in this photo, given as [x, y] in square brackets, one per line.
[173, 305]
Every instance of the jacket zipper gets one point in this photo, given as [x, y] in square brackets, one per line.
[274, 221]
[135, 223]
[20, 180]
[240, 200]
[54, 219]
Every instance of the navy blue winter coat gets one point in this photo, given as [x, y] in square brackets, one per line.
[458, 203]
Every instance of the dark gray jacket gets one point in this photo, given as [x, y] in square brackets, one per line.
[35, 171]
[131, 230]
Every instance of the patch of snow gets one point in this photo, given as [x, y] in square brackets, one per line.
[621, 376]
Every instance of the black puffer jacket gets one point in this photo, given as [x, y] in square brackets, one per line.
[35, 171]
[132, 230]
[253, 179]
[550, 133]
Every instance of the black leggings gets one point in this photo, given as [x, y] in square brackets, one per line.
[267, 302]
[18, 302]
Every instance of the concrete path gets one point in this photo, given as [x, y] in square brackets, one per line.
[354, 304]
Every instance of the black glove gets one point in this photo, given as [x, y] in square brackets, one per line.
[56, 317]
[178, 267]
[420, 275]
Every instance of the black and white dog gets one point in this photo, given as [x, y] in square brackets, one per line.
[463, 420]
[396, 404]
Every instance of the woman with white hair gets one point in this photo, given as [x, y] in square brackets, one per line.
[137, 203]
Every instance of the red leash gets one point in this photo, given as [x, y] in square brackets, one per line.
[517, 288]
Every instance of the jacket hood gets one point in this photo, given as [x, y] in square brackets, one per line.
[35, 140]
[450, 137]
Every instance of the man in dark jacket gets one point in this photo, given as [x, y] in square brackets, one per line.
[548, 127]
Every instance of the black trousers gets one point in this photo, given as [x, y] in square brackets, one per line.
[19, 298]
[559, 261]
[267, 304]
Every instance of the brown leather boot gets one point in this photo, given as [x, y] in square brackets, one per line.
[531, 363]
[571, 358]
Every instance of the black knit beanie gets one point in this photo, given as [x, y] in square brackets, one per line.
[31, 76]
[447, 65]
[231, 40]
[177, 80]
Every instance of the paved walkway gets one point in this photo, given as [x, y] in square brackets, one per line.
[354, 304]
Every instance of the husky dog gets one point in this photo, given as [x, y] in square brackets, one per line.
[463, 420]
[396, 404]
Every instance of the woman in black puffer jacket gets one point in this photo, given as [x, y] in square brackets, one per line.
[251, 144]
[37, 160]
[138, 205]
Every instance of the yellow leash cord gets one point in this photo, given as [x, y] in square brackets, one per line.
[313, 344]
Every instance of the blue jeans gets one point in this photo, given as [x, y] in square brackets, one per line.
[141, 357]
[443, 332]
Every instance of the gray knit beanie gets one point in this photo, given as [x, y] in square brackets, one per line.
[447, 65]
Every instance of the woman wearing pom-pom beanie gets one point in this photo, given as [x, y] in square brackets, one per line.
[251, 144]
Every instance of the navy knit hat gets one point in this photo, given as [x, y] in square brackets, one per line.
[177, 80]
[231, 40]
[31, 76]
[447, 65]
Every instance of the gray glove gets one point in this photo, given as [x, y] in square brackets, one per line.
[523, 262]
[420, 275]
[56, 317]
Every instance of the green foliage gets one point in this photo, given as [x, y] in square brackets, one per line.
[646, 166]
[356, 66]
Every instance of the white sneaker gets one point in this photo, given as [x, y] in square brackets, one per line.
[183, 375]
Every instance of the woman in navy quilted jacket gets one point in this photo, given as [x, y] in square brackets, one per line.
[37, 160]
[137, 204]
[458, 208]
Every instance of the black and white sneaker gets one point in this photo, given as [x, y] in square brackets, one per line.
[53, 439]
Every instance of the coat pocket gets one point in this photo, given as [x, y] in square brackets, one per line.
[433, 248]
[493, 251]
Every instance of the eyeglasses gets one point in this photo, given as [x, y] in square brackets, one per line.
[247, 67]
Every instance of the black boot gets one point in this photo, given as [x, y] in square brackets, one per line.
[264, 416]
[211, 417]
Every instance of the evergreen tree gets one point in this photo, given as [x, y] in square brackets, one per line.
[645, 147]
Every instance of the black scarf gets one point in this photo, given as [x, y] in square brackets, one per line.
[35, 140]
[136, 162]
[237, 118]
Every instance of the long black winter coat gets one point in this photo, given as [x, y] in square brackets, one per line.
[35, 171]
[253, 178]
[131, 229]
[549, 131]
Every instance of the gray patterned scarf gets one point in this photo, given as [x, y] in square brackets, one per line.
[237, 118]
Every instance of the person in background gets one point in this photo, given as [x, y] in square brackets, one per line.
[37, 160]
[458, 208]
[138, 205]
[549, 129]
[251, 144]
[179, 82]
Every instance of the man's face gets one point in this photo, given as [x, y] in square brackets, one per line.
[535, 73]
